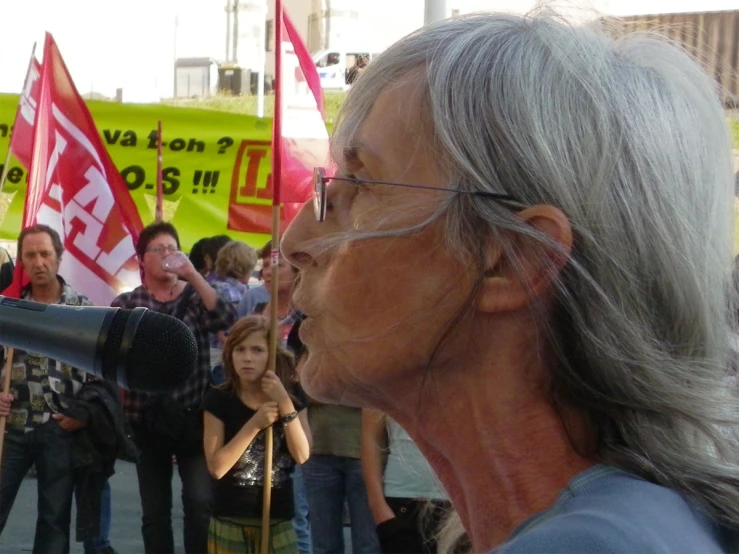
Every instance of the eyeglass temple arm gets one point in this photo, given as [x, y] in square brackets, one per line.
[325, 180]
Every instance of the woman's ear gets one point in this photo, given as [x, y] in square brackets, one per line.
[515, 275]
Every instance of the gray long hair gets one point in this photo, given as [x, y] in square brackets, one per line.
[627, 137]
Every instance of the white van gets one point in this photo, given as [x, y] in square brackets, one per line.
[335, 66]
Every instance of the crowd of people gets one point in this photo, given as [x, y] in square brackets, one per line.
[71, 428]
[505, 324]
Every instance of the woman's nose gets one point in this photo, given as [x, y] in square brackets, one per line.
[301, 230]
[297, 241]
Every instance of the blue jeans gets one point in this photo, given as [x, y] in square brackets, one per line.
[329, 482]
[101, 541]
[49, 448]
[301, 523]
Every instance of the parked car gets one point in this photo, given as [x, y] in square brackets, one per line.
[337, 69]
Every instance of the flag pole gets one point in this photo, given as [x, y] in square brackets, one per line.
[10, 351]
[4, 175]
[158, 212]
[275, 259]
[6, 389]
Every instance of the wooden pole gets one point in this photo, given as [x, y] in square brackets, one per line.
[275, 259]
[6, 389]
[274, 336]
[159, 214]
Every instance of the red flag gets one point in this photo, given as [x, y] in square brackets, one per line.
[74, 187]
[21, 141]
[300, 138]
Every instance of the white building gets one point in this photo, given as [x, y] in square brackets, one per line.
[370, 26]
[195, 77]
[359, 25]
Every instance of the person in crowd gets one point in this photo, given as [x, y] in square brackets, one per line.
[524, 258]
[257, 301]
[38, 431]
[404, 495]
[333, 59]
[233, 268]
[236, 414]
[197, 257]
[359, 66]
[211, 247]
[260, 294]
[286, 278]
[7, 268]
[171, 424]
[95, 449]
[333, 480]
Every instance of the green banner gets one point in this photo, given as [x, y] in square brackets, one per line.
[216, 168]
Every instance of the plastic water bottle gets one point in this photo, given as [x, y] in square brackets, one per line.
[174, 261]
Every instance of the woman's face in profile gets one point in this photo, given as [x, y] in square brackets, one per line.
[378, 307]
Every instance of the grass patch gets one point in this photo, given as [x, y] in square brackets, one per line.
[248, 104]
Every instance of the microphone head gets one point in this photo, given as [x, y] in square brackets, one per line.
[162, 353]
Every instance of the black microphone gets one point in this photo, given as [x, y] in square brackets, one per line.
[138, 349]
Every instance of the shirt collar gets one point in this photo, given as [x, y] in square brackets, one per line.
[26, 291]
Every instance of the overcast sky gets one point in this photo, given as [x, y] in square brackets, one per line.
[131, 43]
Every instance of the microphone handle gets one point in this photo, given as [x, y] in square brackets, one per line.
[69, 334]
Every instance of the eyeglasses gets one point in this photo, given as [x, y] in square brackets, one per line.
[162, 249]
[320, 180]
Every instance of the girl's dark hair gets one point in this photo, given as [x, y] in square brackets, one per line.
[284, 363]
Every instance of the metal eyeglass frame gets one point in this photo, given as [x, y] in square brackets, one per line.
[320, 180]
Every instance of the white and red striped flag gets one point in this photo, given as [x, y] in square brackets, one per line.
[21, 141]
[74, 187]
[300, 139]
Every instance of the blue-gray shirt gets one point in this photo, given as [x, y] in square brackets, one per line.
[252, 297]
[608, 511]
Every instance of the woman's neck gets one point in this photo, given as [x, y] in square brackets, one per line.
[162, 289]
[499, 447]
[252, 395]
[284, 306]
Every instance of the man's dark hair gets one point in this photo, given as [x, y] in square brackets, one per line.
[56, 240]
[197, 255]
[154, 230]
[213, 245]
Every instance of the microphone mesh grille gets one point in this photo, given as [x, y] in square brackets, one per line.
[164, 354]
[112, 345]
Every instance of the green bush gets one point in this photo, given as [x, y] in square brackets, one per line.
[332, 100]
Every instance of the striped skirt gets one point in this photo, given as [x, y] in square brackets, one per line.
[236, 535]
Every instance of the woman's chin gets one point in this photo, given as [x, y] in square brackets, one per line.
[315, 378]
[324, 384]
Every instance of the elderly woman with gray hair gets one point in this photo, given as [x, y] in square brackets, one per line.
[524, 258]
